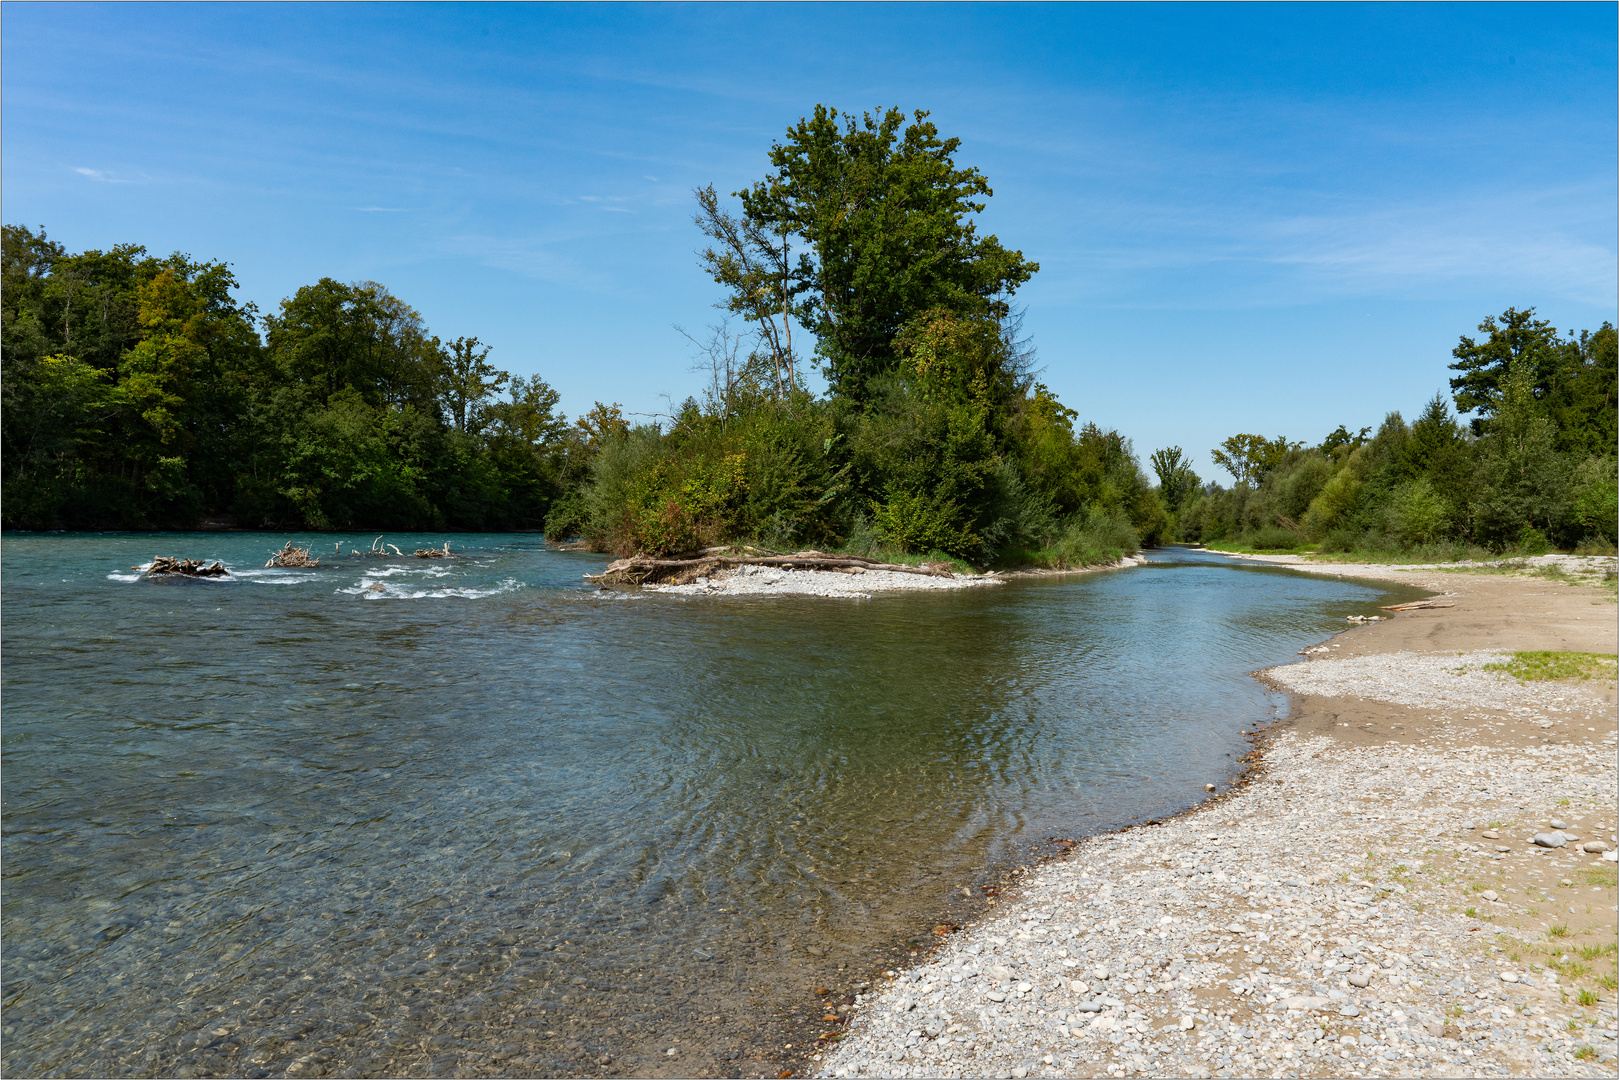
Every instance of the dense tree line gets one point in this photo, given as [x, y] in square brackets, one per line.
[138, 392]
[1535, 465]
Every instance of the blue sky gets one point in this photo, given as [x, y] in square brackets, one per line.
[1248, 218]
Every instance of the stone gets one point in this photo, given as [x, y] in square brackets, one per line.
[1100, 974]
[1490, 835]
[1188, 1023]
[1088, 1007]
[1509, 976]
[1491, 895]
[1557, 823]
[1549, 840]
[1595, 846]
[1360, 979]
[996, 995]
[1469, 825]
[1304, 1002]
[1208, 787]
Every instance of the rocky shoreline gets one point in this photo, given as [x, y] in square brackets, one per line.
[1374, 901]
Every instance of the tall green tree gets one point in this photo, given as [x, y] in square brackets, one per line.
[885, 216]
[1176, 480]
[1518, 338]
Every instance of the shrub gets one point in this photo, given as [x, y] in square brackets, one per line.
[1274, 539]
[1417, 514]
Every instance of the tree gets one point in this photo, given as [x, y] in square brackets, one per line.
[1176, 480]
[886, 216]
[1518, 338]
[466, 380]
[1250, 457]
[755, 265]
[1582, 402]
[1520, 481]
[1342, 439]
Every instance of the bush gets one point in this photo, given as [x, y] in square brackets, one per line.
[1090, 538]
[1417, 515]
[1274, 539]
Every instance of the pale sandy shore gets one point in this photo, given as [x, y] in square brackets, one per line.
[856, 585]
[1370, 903]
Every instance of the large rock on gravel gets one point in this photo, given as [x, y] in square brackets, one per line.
[1549, 840]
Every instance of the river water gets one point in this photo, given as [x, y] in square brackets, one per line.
[474, 817]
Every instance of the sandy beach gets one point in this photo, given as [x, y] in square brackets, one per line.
[1371, 900]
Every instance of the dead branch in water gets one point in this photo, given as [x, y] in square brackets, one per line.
[290, 556]
[167, 564]
[646, 570]
[435, 553]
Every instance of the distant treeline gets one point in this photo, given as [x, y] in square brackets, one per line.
[1534, 468]
[138, 393]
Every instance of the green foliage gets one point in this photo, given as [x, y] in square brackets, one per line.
[1534, 473]
[884, 215]
[138, 393]
[1250, 457]
[1176, 480]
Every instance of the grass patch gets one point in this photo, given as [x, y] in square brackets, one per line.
[1605, 876]
[1584, 1053]
[1560, 930]
[1546, 666]
[1587, 998]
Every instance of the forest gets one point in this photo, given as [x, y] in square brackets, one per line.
[139, 394]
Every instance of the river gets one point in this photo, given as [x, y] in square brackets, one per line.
[474, 817]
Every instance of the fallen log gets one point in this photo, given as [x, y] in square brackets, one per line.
[290, 556]
[647, 570]
[1417, 605]
[167, 564]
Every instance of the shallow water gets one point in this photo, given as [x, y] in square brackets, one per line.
[474, 817]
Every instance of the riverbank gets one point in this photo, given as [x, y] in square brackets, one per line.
[1370, 901]
[850, 584]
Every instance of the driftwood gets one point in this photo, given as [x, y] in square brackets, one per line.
[435, 553]
[646, 570]
[166, 564]
[293, 557]
[1417, 605]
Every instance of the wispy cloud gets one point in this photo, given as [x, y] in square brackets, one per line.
[101, 176]
[528, 256]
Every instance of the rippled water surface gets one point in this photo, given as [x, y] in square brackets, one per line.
[473, 817]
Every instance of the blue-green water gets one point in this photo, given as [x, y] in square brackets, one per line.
[487, 820]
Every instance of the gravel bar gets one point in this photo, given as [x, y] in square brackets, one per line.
[1329, 918]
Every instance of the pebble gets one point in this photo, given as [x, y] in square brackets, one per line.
[1282, 938]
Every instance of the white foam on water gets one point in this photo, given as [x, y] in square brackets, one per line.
[366, 589]
[123, 577]
[395, 571]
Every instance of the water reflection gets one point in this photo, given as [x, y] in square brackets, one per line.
[486, 820]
